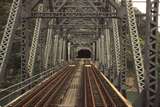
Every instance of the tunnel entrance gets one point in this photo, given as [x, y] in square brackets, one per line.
[84, 53]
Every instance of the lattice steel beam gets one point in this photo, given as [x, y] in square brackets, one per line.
[33, 49]
[152, 54]
[123, 50]
[55, 49]
[117, 46]
[48, 45]
[7, 36]
[73, 15]
[88, 26]
[136, 48]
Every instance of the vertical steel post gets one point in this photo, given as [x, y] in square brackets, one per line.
[34, 45]
[55, 49]
[69, 51]
[94, 51]
[48, 45]
[102, 50]
[136, 48]
[151, 54]
[5, 45]
[117, 48]
[64, 51]
[60, 50]
[97, 51]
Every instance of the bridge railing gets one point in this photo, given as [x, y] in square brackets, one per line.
[9, 94]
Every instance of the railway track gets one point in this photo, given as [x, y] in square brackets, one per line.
[80, 85]
[43, 95]
[97, 93]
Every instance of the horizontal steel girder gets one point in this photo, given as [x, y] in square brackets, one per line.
[72, 15]
[88, 26]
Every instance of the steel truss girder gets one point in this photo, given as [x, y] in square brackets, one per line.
[7, 35]
[136, 48]
[112, 72]
[152, 54]
[34, 45]
[73, 15]
[60, 50]
[108, 49]
[102, 50]
[117, 46]
[55, 49]
[68, 26]
[48, 45]
[64, 50]
[123, 50]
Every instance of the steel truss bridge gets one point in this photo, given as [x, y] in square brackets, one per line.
[50, 33]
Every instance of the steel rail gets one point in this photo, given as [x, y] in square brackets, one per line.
[46, 101]
[116, 96]
[108, 97]
[89, 97]
[101, 93]
[40, 89]
[47, 91]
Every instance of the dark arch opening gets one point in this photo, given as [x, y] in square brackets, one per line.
[84, 53]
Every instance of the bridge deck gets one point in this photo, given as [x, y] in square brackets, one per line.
[79, 85]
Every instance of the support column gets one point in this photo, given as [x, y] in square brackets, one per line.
[136, 48]
[69, 51]
[117, 48]
[34, 45]
[107, 51]
[48, 46]
[97, 51]
[6, 41]
[60, 50]
[151, 51]
[102, 50]
[108, 46]
[55, 49]
[94, 51]
[64, 51]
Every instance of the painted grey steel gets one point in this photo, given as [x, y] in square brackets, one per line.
[102, 50]
[8, 35]
[69, 51]
[64, 51]
[136, 48]
[151, 52]
[60, 50]
[48, 45]
[117, 48]
[55, 49]
[97, 52]
[73, 15]
[94, 51]
[123, 56]
[34, 45]
[108, 49]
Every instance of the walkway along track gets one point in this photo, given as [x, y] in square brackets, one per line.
[43, 95]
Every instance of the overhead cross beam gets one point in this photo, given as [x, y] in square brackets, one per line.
[73, 15]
